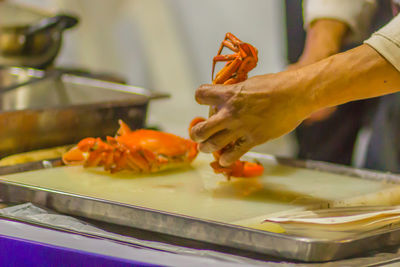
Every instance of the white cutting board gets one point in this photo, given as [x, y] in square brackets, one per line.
[198, 192]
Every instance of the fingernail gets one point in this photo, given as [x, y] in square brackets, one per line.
[196, 139]
[205, 148]
[193, 134]
[224, 163]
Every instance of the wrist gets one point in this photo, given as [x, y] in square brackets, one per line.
[306, 92]
[294, 86]
[316, 83]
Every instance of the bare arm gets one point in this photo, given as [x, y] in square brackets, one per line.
[267, 106]
[324, 38]
[357, 74]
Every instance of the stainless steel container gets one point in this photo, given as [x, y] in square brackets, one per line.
[225, 235]
[29, 37]
[61, 109]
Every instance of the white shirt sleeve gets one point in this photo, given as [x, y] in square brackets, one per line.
[356, 14]
[386, 42]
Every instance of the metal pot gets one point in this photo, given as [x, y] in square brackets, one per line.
[48, 110]
[35, 44]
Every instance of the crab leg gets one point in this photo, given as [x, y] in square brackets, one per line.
[136, 158]
[231, 42]
[93, 159]
[131, 163]
[220, 58]
[108, 160]
[226, 72]
[74, 156]
[234, 71]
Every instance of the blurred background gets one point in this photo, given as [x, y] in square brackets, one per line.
[168, 45]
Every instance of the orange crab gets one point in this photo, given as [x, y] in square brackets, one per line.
[234, 71]
[141, 151]
[238, 65]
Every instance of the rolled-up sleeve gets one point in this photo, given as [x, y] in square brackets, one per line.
[386, 42]
[357, 14]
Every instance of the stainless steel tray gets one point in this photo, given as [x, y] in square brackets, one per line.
[40, 109]
[280, 245]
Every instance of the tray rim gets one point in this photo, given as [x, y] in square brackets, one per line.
[306, 249]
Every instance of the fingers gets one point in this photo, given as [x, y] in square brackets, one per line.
[228, 157]
[204, 130]
[218, 141]
[208, 94]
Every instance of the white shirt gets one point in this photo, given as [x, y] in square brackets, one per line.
[357, 15]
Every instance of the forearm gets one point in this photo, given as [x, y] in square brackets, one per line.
[356, 74]
[324, 38]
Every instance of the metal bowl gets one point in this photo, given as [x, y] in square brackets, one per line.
[33, 42]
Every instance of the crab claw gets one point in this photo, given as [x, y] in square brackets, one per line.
[238, 169]
[251, 169]
[80, 153]
[86, 144]
[123, 128]
[74, 156]
[195, 121]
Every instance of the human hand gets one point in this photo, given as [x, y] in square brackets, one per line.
[265, 107]
[249, 113]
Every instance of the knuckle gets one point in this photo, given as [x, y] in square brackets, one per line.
[237, 89]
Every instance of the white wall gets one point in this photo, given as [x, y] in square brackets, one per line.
[113, 35]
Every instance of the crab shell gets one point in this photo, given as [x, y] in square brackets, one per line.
[139, 151]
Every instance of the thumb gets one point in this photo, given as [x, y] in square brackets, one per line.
[210, 94]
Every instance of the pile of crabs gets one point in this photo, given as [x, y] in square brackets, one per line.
[149, 151]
